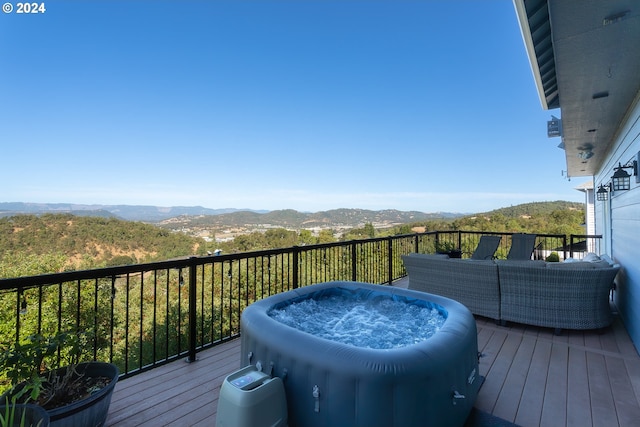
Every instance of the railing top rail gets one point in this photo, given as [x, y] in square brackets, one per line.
[173, 263]
[184, 262]
[499, 233]
[69, 276]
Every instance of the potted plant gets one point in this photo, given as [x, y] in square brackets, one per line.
[22, 415]
[553, 257]
[448, 248]
[46, 371]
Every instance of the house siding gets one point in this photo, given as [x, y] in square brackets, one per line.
[618, 220]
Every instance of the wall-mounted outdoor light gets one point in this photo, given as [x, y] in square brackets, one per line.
[621, 179]
[602, 194]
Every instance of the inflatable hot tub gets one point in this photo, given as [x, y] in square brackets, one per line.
[432, 382]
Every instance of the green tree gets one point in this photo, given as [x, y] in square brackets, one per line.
[326, 236]
[20, 263]
[305, 237]
[280, 238]
[369, 230]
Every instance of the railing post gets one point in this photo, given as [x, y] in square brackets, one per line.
[19, 292]
[192, 311]
[390, 252]
[570, 247]
[354, 262]
[416, 239]
[295, 252]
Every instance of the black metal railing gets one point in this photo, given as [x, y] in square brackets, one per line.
[144, 315]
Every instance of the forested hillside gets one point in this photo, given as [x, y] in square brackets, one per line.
[290, 218]
[31, 244]
[56, 242]
[536, 209]
[541, 218]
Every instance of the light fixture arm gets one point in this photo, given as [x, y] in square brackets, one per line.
[631, 164]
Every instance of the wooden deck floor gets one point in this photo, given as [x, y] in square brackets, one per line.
[536, 378]
[533, 378]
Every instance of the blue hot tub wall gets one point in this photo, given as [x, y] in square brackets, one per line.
[407, 386]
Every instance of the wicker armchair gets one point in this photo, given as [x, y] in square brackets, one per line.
[561, 296]
[473, 283]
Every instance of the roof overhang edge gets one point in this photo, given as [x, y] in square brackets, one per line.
[525, 30]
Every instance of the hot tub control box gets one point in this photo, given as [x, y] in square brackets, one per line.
[251, 398]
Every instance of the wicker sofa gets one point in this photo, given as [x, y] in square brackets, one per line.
[473, 283]
[557, 295]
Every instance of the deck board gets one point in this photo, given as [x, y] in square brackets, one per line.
[533, 378]
[511, 392]
[578, 399]
[496, 375]
[530, 407]
[623, 394]
[602, 404]
[554, 408]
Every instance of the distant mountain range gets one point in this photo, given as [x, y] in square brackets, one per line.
[128, 212]
[295, 220]
[198, 215]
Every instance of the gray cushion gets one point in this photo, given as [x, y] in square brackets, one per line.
[479, 261]
[572, 265]
[430, 256]
[579, 265]
[521, 263]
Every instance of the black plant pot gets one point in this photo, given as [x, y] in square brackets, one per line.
[454, 253]
[34, 415]
[91, 411]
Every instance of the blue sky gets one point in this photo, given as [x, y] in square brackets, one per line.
[306, 105]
